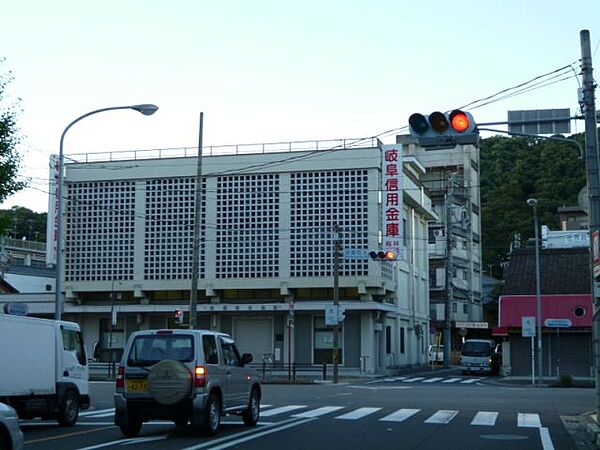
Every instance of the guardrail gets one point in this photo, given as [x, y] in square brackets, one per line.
[104, 370]
[270, 370]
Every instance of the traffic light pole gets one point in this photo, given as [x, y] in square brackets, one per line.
[196, 249]
[588, 106]
[449, 271]
[336, 299]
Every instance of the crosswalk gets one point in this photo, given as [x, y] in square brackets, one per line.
[344, 413]
[421, 379]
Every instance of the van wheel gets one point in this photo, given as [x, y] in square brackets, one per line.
[210, 420]
[250, 416]
[131, 427]
[69, 409]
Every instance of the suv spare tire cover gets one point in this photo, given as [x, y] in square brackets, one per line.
[169, 382]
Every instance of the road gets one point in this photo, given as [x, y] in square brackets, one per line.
[419, 412]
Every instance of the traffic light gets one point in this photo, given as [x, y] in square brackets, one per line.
[444, 130]
[179, 316]
[381, 255]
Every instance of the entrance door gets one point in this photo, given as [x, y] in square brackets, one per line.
[255, 336]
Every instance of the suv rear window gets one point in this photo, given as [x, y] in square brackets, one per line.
[150, 349]
[477, 349]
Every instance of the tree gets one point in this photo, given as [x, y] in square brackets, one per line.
[515, 169]
[19, 222]
[9, 138]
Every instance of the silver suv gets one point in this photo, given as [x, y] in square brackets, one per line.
[187, 376]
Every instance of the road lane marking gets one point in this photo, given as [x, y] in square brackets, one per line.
[265, 406]
[451, 380]
[486, 418]
[471, 380]
[75, 433]
[412, 380]
[546, 440]
[281, 410]
[96, 411]
[317, 412]
[98, 416]
[400, 415]
[442, 416]
[529, 420]
[127, 441]
[398, 379]
[358, 414]
[248, 435]
[432, 380]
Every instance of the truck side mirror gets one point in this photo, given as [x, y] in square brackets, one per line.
[246, 358]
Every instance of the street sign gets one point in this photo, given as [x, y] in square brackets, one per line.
[16, 309]
[334, 314]
[540, 121]
[356, 253]
[528, 326]
[463, 332]
[557, 323]
[596, 253]
[477, 325]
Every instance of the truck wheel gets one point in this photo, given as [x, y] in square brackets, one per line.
[210, 420]
[69, 409]
[250, 416]
[132, 426]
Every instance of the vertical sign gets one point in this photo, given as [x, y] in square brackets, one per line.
[528, 326]
[596, 252]
[52, 220]
[391, 202]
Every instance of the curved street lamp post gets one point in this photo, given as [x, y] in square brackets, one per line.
[145, 109]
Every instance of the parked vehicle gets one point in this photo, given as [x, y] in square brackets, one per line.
[478, 355]
[436, 354]
[44, 368]
[187, 376]
[11, 436]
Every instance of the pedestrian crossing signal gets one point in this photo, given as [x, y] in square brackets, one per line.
[179, 316]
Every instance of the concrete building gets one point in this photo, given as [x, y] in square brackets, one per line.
[266, 252]
[452, 180]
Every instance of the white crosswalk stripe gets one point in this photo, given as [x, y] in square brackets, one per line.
[487, 418]
[432, 380]
[318, 412]
[442, 416]
[400, 415]
[358, 413]
[451, 380]
[281, 410]
[527, 420]
[471, 380]
[98, 412]
[412, 380]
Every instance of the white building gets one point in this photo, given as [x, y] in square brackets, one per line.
[266, 253]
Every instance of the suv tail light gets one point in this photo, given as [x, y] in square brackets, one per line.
[120, 381]
[200, 376]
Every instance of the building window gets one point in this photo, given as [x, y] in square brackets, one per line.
[388, 339]
[466, 308]
[402, 349]
[454, 307]
[323, 339]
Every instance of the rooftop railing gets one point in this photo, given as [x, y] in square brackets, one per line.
[220, 150]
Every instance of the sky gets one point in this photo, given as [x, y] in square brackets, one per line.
[271, 71]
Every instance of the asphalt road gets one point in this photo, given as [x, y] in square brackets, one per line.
[419, 412]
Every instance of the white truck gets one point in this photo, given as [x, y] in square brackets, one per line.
[43, 368]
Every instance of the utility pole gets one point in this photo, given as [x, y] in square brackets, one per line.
[336, 299]
[588, 107]
[196, 249]
[449, 272]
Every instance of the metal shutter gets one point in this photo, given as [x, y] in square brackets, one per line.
[254, 336]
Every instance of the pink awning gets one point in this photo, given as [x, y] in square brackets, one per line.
[575, 307]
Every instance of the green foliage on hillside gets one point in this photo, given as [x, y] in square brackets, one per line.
[515, 169]
[19, 222]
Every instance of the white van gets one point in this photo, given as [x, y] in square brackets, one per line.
[44, 368]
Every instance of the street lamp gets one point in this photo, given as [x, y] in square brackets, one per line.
[145, 109]
[533, 203]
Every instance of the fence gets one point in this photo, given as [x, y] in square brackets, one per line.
[102, 370]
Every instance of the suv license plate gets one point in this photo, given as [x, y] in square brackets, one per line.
[137, 385]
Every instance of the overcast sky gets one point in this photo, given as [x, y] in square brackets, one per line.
[270, 71]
